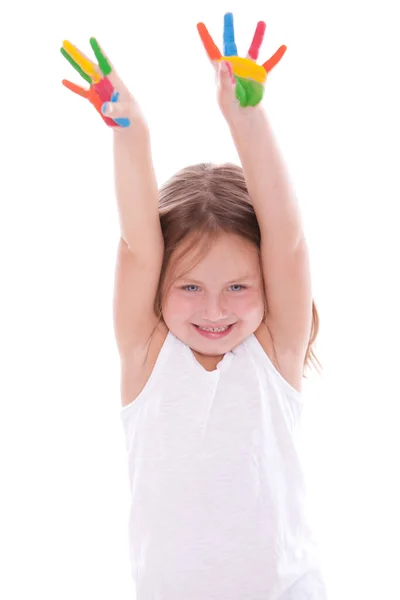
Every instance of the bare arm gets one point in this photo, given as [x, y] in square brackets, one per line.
[136, 190]
[283, 246]
[141, 248]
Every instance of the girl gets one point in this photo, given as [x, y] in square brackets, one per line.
[215, 324]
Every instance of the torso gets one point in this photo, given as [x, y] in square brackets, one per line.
[134, 377]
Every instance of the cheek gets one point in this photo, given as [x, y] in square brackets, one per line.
[248, 304]
[178, 304]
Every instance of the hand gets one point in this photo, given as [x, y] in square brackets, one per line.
[240, 80]
[106, 88]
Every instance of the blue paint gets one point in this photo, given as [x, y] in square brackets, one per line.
[229, 36]
[121, 122]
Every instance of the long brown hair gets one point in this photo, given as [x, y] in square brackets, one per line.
[196, 205]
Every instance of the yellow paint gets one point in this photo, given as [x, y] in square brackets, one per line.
[245, 67]
[83, 62]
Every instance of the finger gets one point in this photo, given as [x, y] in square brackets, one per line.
[226, 73]
[98, 104]
[75, 88]
[105, 66]
[273, 61]
[211, 48]
[229, 36]
[122, 122]
[117, 112]
[86, 65]
[257, 40]
[76, 66]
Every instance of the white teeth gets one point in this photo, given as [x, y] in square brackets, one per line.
[214, 329]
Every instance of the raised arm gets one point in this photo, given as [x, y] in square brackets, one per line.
[141, 246]
[284, 253]
[136, 188]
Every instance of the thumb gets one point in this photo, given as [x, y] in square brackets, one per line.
[226, 77]
[116, 111]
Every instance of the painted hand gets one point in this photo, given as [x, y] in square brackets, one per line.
[105, 85]
[241, 80]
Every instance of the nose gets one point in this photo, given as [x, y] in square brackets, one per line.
[214, 309]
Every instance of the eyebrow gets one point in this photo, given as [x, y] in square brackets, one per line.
[244, 278]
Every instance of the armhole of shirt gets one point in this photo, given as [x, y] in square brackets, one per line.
[264, 361]
[160, 362]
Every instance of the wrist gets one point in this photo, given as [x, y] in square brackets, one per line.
[138, 132]
[242, 116]
[246, 122]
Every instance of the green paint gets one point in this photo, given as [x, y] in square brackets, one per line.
[240, 91]
[104, 65]
[76, 66]
[248, 91]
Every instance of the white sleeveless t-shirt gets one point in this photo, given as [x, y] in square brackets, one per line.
[218, 503]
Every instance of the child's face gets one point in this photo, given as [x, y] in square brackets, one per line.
[225, 288]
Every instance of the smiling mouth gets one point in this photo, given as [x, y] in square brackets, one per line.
[214, 333]
[213, 329]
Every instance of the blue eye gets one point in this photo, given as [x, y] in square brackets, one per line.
[237, 285]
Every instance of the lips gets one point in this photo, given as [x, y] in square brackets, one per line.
[213, 335]
[212, 328]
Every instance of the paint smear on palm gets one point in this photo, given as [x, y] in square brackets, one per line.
[250, 77]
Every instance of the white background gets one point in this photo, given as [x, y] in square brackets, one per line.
[334, 106]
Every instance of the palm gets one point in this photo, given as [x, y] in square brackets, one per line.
[249, 76]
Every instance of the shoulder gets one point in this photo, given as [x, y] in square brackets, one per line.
[288, 365]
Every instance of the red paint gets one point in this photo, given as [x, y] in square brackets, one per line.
[104, 89]
[257, 40]
[93, 97]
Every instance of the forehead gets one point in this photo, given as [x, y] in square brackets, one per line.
[229, 256]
